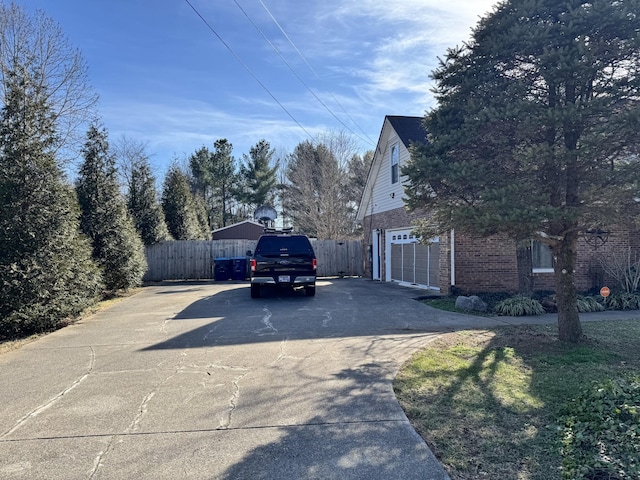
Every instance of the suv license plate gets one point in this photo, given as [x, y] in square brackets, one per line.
[284, 278]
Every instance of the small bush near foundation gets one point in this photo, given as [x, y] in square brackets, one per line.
[622, 301]
[589, 304]
[518, 306]
[601, 433]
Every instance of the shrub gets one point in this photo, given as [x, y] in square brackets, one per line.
[622, 301]
[589, 304]
[518, 306]
[624, 267]
[601, 432]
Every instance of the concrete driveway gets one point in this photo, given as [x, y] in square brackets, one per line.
[200, 381]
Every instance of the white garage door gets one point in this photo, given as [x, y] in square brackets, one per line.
[411, 262]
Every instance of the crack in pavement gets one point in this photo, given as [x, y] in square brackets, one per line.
[41, 408]
[266, 319]
[215, 429]
[135, 423]
[225, 422]
[282, 355]
[210, 331]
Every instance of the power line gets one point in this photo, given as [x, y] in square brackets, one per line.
[246, 67]
[294, 72]
[289, 39]
[312, 69]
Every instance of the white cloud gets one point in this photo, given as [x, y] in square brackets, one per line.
[375, 56]
[387, 48]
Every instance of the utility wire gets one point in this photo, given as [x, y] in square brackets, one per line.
[294, 72]
[312, 69]
[287, 37]
[246, 67]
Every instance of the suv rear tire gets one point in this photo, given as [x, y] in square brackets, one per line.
[310, 291]
[255, 290]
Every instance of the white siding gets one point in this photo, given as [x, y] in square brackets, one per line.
[387, 196]
[380, 195]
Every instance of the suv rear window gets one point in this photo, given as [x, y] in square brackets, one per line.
[290, 245]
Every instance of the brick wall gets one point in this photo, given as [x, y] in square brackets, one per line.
[489, 264]
[589, 273]
[485, 264]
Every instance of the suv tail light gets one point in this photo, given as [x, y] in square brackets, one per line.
[315, 264]
[253, 264]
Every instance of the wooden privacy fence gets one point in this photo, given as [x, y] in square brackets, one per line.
[194, 259]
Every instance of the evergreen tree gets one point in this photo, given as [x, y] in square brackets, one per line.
[143, 205]
[535, 132]
[258, 176]
[223, 182]
[116, 245]
[181, 210]
[214, 180]
[46, 271]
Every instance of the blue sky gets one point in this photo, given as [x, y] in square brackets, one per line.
[164, 78]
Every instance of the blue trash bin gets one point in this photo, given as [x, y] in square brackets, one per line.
[221, 269]
[239, 268]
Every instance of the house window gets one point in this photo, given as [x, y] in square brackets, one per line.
[542, 258]
[395, 157]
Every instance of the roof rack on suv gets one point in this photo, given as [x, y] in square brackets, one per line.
[275, 230]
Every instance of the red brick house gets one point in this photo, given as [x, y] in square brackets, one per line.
[454, 261]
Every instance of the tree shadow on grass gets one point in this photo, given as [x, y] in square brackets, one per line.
[496, 399]
[482, 427]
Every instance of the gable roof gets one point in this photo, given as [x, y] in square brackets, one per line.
[244, 222]
[409, 130]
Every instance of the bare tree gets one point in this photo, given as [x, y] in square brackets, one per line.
[342, 145]
[37, 44]
[129, 155]
[317, 193]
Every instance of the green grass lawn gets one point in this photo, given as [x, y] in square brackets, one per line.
[488, 402]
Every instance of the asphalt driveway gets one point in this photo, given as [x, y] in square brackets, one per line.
[200, 381]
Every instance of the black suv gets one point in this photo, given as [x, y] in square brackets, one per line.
[283, 260]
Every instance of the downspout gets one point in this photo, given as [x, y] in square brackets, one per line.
[453, 259]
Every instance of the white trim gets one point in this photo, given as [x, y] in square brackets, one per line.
[236, 224]
[375, 254]
[409, 240]
[394, 161]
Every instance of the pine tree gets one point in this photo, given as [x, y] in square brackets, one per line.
[143, 205]
[180, 207]
[46, 271]
[259, 176]
[535, 132]
[116, 245]
[214, 180]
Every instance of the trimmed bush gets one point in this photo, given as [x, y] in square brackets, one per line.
[601, 432]
[519, 306]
